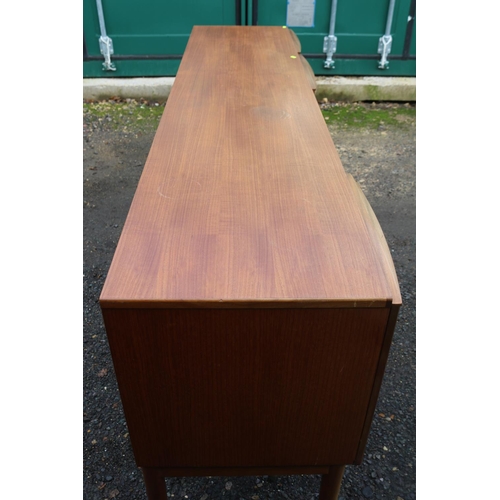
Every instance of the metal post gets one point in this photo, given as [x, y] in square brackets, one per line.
[330, 41]
[385, 42]
[105, 43]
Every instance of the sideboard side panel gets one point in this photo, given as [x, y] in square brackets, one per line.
[245, 387]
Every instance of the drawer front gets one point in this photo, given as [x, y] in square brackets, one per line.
[245, 387]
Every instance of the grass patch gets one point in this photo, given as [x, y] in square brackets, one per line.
[143, 115]
[124, 114]
[368, 116]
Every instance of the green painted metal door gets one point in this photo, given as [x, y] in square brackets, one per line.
[150, 36]
[358, 27]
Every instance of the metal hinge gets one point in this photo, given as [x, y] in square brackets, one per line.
[106, 46]
[329, 48]
[330, 41]
[384, 48]
[105, 43]
[385, 41]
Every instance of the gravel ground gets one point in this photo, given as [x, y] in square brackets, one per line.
[382, 160]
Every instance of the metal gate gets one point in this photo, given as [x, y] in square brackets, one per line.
[126, 38]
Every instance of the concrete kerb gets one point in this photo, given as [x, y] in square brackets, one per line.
[131, 88]
[334, 88]
[366, 88]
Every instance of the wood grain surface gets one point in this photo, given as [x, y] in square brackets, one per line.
[243, 199]
[296, 41]
[252, 298]
[309, 72]
[246, 387]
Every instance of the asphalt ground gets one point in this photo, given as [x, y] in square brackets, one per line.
[378, 149]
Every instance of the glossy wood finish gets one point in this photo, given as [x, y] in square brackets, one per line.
[243, 198]
[252, 298]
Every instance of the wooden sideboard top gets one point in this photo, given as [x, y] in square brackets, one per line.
[243, 201]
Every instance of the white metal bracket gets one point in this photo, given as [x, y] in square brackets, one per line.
[105, 43]
[384, 48]
[329, 48]
[330, 41]
[385, 41]
[106, 46]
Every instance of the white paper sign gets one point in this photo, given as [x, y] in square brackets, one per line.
[300, 13]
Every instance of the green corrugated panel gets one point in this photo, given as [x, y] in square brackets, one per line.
[159, 28]
[148, 28]
[152, 27]
[358, 28]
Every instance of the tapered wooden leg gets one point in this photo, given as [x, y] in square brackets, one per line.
[155, 484]
[330, 483]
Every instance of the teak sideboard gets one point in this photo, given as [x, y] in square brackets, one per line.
[252, 298]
